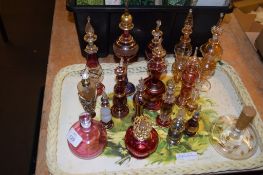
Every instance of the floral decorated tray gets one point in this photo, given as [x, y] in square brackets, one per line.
[194, 155]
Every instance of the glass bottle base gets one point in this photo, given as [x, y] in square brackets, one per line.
[119, 113]
[108, 125]
[242, 147]
[163, 123]
[153, 105]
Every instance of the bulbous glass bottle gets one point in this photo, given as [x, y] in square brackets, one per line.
[87, 138]
[141, 139]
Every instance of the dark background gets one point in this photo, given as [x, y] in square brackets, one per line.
[23, 63]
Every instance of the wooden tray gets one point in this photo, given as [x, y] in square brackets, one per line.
[227, 96]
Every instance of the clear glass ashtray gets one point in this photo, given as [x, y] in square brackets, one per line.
[232, 143]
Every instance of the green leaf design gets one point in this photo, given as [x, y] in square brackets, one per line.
[164, 153]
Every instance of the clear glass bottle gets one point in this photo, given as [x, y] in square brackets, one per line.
[176, 129]
[138, 100]
[192, 125]
[87, 138]
[154, 87]
[105, 112]
[120, 108]
[126, 47]
[157, 34]
[235, 138]
[164, 118]
[141, 139]
[92, 62]
[183, 49]
[87, 93]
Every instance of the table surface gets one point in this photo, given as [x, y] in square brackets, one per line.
[65, 50]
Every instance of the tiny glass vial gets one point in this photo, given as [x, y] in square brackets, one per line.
[141, 139]
[105, 112]
[192, 125]
[164, 119]
[87, 138]
[87, 93]
[176, 129]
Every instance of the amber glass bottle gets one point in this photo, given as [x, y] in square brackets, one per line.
[157, 34]
[183, 49]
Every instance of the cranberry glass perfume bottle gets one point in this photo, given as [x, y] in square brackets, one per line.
[157, 34]
[126, 47]
[176, 129]
[189, 78]
[138, 100]
[235, 138]
[120, 108]
[154, 87]
[87, 93]
[105, 112]
[87, 138]
[141, 139]
[192, 125]
[92, 63]
[164, 119]
[183, 49]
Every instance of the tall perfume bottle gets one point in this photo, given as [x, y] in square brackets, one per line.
[191, 102]
[189, 78]
[164, 118]
[157, 34]
[87, 138]
[235, 138]
[141, 139]
[125, 46]
[192, 125]
[138, 100]
[93, 65]
[105, 112]
[87, 93]
[120, 108]
[211, 52]
[176, 129]
[154, 87]
[213, 47]
[183, 49]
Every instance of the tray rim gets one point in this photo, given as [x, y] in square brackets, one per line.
[197, 168]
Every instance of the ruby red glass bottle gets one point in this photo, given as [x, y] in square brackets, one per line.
[141, 139]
